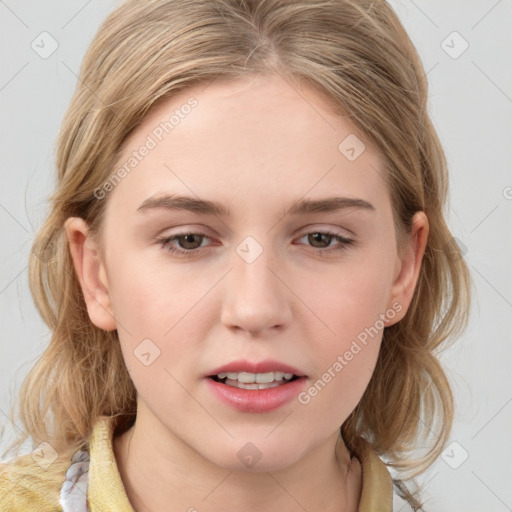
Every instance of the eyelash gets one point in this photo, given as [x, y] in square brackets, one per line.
[165, 243]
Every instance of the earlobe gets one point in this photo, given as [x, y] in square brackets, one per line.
[409, 266]
[91, 273]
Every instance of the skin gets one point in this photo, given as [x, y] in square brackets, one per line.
[256, 145]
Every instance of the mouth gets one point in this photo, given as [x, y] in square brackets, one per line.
[248, 380]
[256, 387]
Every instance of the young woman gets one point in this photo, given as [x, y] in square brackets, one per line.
[246, 268]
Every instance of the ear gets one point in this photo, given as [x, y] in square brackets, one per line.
[91, 273]
[408, 266]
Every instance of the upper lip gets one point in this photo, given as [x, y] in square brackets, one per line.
[265, 366]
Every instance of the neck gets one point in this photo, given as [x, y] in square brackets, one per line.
[161, 473]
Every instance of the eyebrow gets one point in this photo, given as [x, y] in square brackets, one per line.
[202, 206]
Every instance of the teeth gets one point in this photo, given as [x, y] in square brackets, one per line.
[252, 385]
[265, 378]
[246, 378]
[258, 378]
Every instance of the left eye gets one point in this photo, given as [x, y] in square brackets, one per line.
[326, 237]
[190, 243]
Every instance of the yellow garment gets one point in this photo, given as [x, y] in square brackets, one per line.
[25, 486]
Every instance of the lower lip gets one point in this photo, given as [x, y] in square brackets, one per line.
[256, 400]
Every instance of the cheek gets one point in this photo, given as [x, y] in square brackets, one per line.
[353, 295]
[155, 310]
[161, 312]
[156, 295]
[344, 359]
[353, 304]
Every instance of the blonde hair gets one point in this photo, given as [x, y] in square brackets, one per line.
[358, 55]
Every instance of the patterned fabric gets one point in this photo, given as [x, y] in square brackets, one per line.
[73, 493]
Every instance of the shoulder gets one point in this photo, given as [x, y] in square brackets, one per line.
[32, 482]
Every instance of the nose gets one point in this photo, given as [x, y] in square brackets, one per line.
[256, 298]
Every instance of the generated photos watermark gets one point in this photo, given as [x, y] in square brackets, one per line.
[344, 359]
[152, 140]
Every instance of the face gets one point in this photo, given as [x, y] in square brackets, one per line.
[294, 271]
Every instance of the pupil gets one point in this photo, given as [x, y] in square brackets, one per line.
[187, 241]
[314, 238]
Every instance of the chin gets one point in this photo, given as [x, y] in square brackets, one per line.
[256, 457]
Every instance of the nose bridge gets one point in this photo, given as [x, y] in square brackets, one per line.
[255, 298]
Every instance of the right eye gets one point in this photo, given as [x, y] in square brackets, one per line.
[188, 242]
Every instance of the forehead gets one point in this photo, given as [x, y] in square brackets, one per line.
[244, 138]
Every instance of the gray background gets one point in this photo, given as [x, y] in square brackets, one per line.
[471, 105]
